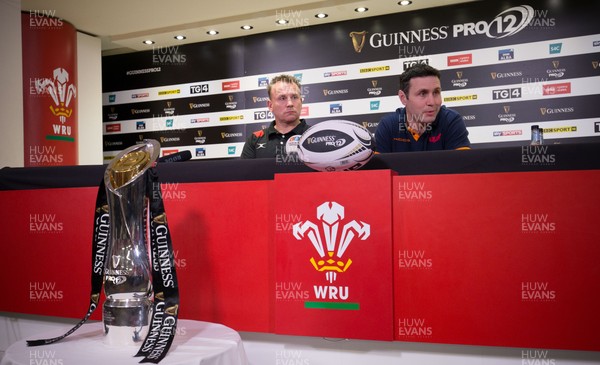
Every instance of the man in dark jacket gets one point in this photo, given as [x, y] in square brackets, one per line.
[424, 124]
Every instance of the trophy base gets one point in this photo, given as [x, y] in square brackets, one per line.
[126, 322]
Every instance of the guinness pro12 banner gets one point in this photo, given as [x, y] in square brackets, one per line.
[505, 66]
[49, 90]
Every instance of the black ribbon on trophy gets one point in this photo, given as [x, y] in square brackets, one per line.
[133, 169]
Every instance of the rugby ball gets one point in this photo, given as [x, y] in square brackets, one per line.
[336, 145]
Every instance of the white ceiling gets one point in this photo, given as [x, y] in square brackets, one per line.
[124, 24]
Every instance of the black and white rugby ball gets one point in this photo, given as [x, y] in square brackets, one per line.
[336, 145]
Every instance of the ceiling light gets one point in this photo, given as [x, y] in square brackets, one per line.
[179, 37]
[148, 41]
[321, 15]
[282, 21]
[212, 32]
[404, 2]
[246, 27]
[361, 9]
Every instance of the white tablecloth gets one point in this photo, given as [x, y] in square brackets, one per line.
[195, 343]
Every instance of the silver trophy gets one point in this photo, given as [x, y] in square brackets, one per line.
[127, 275]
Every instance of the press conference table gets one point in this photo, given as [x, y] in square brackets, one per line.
[579, 156]
[195, 343]
[512, 245]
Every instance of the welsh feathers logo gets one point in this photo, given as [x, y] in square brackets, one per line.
[61, 92]
[331, 238]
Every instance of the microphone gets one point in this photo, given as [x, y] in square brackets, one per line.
[176, 157]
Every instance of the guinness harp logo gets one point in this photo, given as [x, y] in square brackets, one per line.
[358, 40]
[172, 310]
[102, 208]
[160, 219]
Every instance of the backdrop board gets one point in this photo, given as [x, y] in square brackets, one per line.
[505, 66]
[507, 259]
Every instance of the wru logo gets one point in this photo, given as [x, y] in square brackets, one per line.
[331, 259]
[61, 93]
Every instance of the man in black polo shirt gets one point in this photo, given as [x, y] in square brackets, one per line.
[285, 102]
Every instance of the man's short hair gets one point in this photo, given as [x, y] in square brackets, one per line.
[418, 70]
[283, 78]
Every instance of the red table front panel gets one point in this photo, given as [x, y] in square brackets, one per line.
[219, 242]
[333, 254]
[507, 259]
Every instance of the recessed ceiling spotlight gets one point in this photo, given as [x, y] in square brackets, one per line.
[180, 37]
[282, 21]
[246, 27]
[404, 2]
[321, 15]
[361, 9]
[148, 41]
[212, 32]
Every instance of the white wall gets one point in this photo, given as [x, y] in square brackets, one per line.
[11, 74]
[89, 97]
